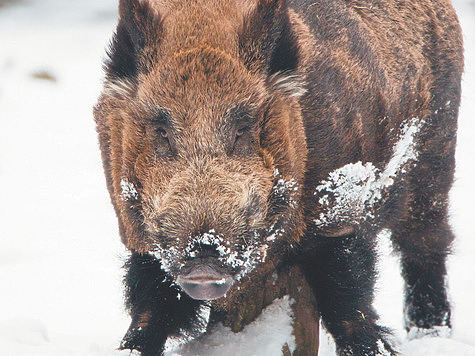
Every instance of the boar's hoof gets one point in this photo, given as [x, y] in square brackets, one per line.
[205, 283]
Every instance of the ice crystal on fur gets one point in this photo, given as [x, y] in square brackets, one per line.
[208, 239]
[168, 257]
[283, 186]
[285, 189]
[244, 257]
[128, 190]
[352, 190]
[274, 232]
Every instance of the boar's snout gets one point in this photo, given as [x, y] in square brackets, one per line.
[205, 282]
[210, 209]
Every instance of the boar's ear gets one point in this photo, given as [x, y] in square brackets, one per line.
[134, 45]
[267, 40]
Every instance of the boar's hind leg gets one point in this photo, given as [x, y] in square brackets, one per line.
[157, 309]
[341, 272]
[423, 235]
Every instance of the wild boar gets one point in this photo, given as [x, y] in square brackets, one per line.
[253, 143]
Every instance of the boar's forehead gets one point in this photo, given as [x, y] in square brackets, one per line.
[201, 83]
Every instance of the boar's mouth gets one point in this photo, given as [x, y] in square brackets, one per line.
[205, 282]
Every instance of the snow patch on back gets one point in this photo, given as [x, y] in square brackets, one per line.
[351, 191]
[265, 336]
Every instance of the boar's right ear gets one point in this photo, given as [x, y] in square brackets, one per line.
[266, 39]
[135, 43]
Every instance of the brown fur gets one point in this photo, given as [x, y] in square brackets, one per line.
[335, 93]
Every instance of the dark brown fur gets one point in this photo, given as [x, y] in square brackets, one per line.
[209, 105]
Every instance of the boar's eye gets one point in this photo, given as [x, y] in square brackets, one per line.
[242, 140]
[162, 132]
[162, 141]
[241, 131]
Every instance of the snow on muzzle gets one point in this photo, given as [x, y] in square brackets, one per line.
[204, 282]
[208, 265]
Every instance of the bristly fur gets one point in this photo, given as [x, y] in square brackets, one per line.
[121, 61]
[120, 87]
[278, 49]
[133, 46]
[288, 83]
[229, 131]
[159, 307]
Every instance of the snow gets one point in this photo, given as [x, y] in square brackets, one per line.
[61, 256]
[286, 190]
[246, 258]
[265, 336]
[419, 333]
[128, 190]
[174, 343]
[356, 187]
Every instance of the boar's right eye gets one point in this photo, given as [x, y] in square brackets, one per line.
[160, 131]
[241, 135]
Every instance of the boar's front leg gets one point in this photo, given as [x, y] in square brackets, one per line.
[341, 272]
[423, 235]
[157, 307]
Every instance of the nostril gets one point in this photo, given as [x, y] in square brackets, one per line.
[206, 244]
[209, 250]
[204, 250]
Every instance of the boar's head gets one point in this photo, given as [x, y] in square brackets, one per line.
[202, 138]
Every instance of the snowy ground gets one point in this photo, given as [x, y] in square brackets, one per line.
[60, 255]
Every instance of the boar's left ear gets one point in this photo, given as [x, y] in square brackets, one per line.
[136, 40]
[266, 39]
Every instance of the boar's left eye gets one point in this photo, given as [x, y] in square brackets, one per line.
[241, 131]
[162, 132]
[242, 140]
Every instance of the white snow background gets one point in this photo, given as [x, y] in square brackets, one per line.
[60, 253]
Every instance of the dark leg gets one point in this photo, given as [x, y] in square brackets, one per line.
[426, 304]
[157, 307]
[423, 238]
[341, 272]
[422, 234]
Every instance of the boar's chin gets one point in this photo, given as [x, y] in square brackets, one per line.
[204, 282]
